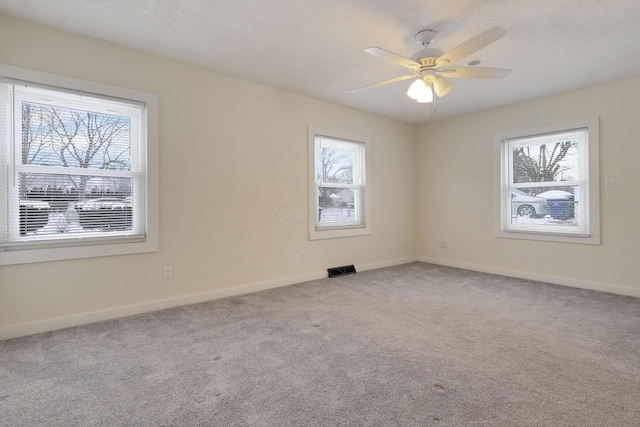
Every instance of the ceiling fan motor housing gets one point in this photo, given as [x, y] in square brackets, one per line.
[427, 57]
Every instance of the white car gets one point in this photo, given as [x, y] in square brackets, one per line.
[105, 214]
[556, 194]
[102, 203]
[34, 214]
[523, 204]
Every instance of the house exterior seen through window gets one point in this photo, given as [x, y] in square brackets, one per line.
[549, 183]
[339, 196]
[75, 166]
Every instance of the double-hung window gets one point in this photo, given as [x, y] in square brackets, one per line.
[548, 185]
[338, 185]
[75, 171]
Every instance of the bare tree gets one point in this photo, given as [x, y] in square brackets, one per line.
[543, 167]
[35, 132]
[332, 165]
[71, 138]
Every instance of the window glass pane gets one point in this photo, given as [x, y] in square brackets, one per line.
[79, 166]
[338, 193]
[547, 206]
[334, 165]
[337, 205]
[51, 204]
[546, 162]
[65, 137]
[547, 189]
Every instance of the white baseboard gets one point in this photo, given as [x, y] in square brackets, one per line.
[574, 283]
[22, 330]
[376, 265]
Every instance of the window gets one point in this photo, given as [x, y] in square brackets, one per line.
[548, 188]
[338, 188]
[76, 169]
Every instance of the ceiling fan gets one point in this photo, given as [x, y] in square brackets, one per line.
[431, 65]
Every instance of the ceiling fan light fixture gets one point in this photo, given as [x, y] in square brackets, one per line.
[441, 86]
[416, 89]
[420, 91]
[427, 98]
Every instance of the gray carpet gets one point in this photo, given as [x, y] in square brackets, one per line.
[414, 345]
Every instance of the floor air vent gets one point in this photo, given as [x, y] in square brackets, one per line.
[341, 271]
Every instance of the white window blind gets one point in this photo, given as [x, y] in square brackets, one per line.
[74, 167]
[548, 177]
[548, 185]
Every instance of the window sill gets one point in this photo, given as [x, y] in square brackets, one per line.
[336, 233]
[549, 237]
[76, 252]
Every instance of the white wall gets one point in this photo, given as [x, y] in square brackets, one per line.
[233, 189]
[455, 166]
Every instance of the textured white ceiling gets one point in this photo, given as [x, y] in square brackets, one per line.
[315, 47]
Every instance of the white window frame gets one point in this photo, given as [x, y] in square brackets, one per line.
[360, 147]
[588, 231]
[52, 250]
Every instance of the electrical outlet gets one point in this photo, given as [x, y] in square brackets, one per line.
[444, 244]
[303, 256]
[168, 272]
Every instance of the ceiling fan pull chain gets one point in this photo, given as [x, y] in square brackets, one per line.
[434, 104]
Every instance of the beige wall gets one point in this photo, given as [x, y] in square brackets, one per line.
[455, 194]
[233, 188]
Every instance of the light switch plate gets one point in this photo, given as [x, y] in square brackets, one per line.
[608, 184]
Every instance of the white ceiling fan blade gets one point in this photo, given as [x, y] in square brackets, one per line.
[471, 46]
[393, 57]
[475, 73]
[384, 82]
